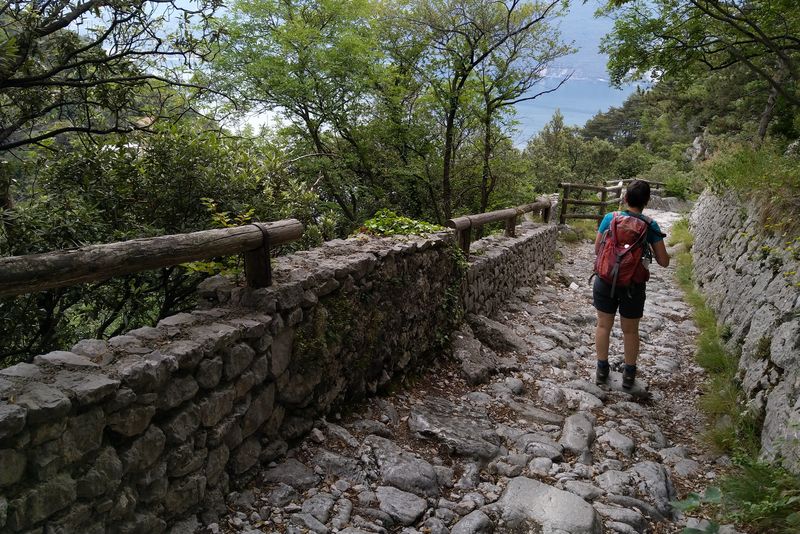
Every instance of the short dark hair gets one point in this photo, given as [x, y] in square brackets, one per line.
[638, 194]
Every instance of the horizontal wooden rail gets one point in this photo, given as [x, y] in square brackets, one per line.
[464, 225]
[602, 204]
[579, 202]
[653, 185]
[24, 274]
[583, 216]
[591, 187]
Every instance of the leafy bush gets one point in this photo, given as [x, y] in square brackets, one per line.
[760, 173]
[679, 233]
[124, 188]
[677, 182]
[678, 185]
[764, 495]
[387, 223]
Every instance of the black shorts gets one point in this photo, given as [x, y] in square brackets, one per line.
[629, 300]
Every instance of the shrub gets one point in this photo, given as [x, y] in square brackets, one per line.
[759, 174]
[387, 223]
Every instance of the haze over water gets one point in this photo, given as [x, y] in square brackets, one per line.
[588, 90]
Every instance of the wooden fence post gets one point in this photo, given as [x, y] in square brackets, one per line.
[565, 195]
[464, 238]
[257, 266]
[601, 210]
[511, 224]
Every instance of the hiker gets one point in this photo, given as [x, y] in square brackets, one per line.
[630, 240]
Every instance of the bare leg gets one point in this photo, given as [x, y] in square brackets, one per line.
[602, 334]
[630, 339]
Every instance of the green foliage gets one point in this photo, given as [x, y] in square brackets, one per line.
[711, 497]
[680, 40]
[763, 495]
[680, 233]
[560, 153]
[758, 174]
[122, 189]
[230, 265]
[388, 223]
[582, 230]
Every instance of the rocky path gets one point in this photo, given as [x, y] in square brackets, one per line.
[511, 435]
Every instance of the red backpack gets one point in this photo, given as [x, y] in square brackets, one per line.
[619, 261]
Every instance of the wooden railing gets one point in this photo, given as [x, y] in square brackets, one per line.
[567, 189]
[609, 196]
[464, 225]
[24, 274]
[653, 185]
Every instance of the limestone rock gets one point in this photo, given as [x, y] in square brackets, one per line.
[464, 430]
[496, 335]
[319, 506]
[293, 473]
[578, 433]
[654, 482]
[618, 441]
[41, 502]
[528, 505]
[467, 350]
[405, 508]
[339, 466]
[401, 469]
[12, 419]
[13, 466]
[309, 522]
[43, 403]
[85, 388]
[475, 522]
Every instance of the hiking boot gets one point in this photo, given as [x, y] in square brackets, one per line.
[628, 376]
[601, 375]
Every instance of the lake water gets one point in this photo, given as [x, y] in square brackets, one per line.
[587, 91]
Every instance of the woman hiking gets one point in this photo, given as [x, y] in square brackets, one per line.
[626, 241]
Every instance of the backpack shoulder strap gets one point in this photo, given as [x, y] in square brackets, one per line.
[649, 222]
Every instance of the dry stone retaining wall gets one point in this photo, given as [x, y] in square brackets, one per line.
[131, 434]
[751, 281]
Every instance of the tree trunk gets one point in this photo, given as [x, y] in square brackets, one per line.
[766, 117]
[449, 139]
[486, 174]
[322, 149]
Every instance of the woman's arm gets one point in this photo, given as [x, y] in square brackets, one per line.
[597, 241]
[660, 253]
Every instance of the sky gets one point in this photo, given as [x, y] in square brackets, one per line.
[588, 90]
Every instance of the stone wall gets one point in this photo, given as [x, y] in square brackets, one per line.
[499, 265]
[751, 281]
[131, 434]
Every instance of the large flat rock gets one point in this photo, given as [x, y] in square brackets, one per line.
[528, 505]
[463, 430]
[639, 389]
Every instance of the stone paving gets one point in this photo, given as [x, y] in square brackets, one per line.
[509, 435]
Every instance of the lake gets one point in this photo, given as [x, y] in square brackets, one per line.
[587, 91]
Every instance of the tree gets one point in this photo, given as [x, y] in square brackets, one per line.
[310, 60]
[96, 66]
[675, 40]
[508, 76]
[619, 125]
[461, 35]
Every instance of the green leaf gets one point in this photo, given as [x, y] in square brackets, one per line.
[691, 502]
[712, 495]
